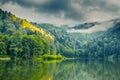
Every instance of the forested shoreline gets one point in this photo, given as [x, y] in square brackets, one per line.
[20, 38]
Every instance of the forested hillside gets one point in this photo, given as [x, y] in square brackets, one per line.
[21, 39]
[99, 44]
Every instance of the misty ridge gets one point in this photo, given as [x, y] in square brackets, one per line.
[95, 27]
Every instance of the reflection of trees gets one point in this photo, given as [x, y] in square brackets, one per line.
[26, 70]
[87, 70]
[67, 70]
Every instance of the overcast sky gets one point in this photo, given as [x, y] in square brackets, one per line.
[62, 12]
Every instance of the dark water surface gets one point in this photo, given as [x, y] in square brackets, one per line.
[66, 70]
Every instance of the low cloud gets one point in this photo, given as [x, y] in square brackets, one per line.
[98, 27]
[99, 15]
[64, 11]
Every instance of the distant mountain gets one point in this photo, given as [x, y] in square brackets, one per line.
[95, 26]
[85, 25]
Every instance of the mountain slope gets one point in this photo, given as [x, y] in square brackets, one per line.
[20, 38]
[12, 21]
[101, 42]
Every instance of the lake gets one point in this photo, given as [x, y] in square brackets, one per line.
[65, 70]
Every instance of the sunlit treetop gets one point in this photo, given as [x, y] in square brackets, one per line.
[26, 24]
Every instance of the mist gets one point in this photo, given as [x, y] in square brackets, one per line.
[103, 26]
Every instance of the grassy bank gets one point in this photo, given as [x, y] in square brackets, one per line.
[50, 58]
[4, 57]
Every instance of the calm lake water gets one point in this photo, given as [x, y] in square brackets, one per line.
[66, 70]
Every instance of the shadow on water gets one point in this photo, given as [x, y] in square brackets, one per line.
[66, 70]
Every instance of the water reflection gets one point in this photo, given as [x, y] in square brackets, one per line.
[66, 70]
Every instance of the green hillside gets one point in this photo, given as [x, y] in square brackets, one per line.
[21, 39]
[102, 44]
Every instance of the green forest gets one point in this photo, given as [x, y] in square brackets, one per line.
[103, 44]
[20, 38]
